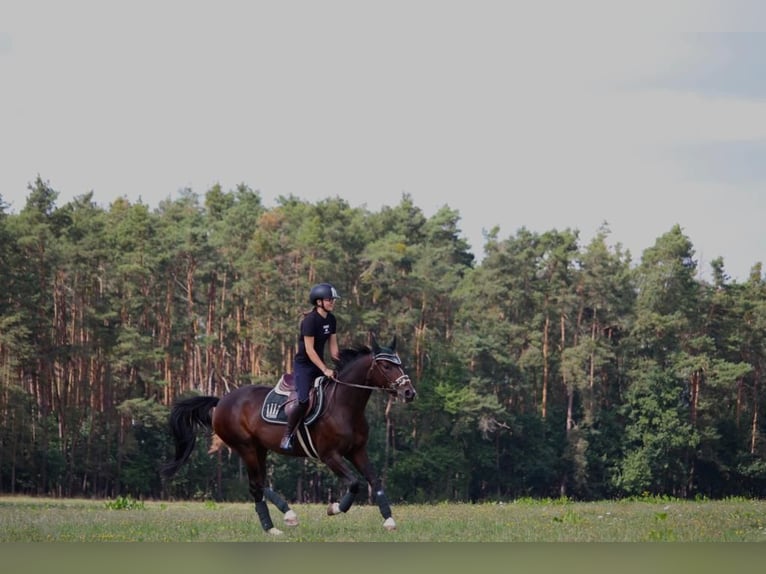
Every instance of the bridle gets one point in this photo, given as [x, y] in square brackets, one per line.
[391, 386]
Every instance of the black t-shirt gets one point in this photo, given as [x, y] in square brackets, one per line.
[314, 325]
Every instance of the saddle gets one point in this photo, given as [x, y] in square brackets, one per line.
[283, 398]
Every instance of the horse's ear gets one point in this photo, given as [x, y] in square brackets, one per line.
[374, 343]
[393, 344]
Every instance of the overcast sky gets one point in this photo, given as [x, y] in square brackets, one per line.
[544, 115]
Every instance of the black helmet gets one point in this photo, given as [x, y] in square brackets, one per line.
[323, 291]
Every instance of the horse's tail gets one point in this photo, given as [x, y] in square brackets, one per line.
[186, 418]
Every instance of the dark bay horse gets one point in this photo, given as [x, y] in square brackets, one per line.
[337, 435]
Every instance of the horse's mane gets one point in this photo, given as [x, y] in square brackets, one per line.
[351, 354]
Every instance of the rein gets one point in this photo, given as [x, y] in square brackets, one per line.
[356, 385]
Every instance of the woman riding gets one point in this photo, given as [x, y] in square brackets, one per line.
[317, 328]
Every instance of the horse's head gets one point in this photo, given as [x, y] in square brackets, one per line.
[387, 373]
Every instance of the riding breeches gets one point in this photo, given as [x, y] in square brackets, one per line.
[304, 376]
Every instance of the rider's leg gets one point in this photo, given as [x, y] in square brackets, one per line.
[293, 420]
[304, 376]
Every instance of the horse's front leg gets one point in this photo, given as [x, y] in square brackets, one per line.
[336, 463]
[362, 463]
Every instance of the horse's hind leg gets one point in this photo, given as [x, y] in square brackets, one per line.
[291, 519]
[255, 461]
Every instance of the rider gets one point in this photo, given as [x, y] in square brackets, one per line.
[317, 328]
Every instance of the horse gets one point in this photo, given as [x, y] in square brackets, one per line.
[336, 435]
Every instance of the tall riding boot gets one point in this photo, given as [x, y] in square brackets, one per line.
[293, 419]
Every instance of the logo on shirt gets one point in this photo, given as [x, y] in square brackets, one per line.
[326, 329]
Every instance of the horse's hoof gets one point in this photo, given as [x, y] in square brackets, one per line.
[389, 524]
[333, 509]
[275, 531]
[291, 519]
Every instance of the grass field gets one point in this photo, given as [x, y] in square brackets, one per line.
[25, 519]
[557, 536]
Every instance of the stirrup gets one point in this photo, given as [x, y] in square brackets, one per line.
[286, 444]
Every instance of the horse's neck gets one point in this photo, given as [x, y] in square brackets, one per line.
[352, 398]
[355, 397]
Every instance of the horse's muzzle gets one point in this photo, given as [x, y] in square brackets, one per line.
[408, 394]
[404, 389]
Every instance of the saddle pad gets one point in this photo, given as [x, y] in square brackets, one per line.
[273, 409]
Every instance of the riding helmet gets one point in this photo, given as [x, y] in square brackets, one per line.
[323, 291]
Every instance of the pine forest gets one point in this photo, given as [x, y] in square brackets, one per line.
[550, 368]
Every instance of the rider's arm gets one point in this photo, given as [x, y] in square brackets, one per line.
[316, 359]
[334, 351]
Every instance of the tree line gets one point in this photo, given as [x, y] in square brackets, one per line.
[548, 369]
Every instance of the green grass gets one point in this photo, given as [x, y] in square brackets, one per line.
[24, 519]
